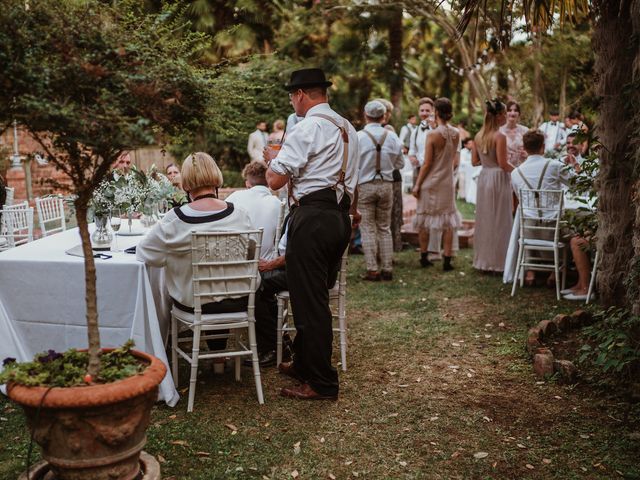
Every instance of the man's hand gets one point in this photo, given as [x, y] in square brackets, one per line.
[357, 218]
[414, 160]
[265, 265]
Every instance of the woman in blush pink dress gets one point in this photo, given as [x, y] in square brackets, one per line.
[494, 201]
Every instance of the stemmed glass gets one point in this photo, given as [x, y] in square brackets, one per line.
[163, 207]
[116, 221]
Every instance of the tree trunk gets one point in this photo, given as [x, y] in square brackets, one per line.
[617, 50]
[93, 333]
[396, 66]
[563, 93]
[538, 93]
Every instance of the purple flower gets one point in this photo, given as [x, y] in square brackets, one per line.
[49, 357]
[7, 361]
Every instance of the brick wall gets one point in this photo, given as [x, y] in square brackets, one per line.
[42, 174]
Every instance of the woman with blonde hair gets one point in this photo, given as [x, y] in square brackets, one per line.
[494, 199]
[278, 132]
[435, 188]
[168, 244]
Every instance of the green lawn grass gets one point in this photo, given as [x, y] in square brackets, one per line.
[437, 373]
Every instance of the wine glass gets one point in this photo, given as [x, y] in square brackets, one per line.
[116, 221]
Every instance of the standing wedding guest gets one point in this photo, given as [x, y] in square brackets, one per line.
[397, 218]
[435, 187]
[380, 153]
[319, 160]
[278, 132]
[418, 139]
[172, 171]
[262, 206]
[257, 141]
[406, 131]
[462, 128]
[554, 132]
[514, 132]
[168, 243]
[494, 198]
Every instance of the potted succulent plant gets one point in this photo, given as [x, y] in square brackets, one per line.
[88, 81]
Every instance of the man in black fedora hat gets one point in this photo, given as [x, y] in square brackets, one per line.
[319, 162]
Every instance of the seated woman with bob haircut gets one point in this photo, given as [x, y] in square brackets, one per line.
[168, 244]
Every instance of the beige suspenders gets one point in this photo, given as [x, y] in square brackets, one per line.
[344, 131]
[544, 170]
[378, 150]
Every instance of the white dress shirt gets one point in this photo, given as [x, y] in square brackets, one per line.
[390, 154]
[405, 134]
[554, 132]
[555, 177]
[312, 155]
[263, 209]
[256, 144]
[418, 141]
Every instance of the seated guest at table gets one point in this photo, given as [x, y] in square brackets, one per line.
[172, 171]
[579, 250]
[123, 163]
[168, 243]
[273, 281]
[573, 156]
[538, 173]
[263, 207]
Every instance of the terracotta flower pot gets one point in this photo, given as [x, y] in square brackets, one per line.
[93, 432]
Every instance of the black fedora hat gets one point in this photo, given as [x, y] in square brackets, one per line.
[307, 78]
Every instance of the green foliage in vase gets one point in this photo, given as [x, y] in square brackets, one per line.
[69, 369]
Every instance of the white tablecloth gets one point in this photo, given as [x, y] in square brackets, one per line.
[512, 252]
[42, 301]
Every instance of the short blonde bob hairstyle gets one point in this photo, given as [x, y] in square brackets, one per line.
[200, 170]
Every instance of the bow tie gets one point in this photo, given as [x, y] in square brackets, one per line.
[423, 125]
[553, 124]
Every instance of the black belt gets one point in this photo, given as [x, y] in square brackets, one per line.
[325, 198]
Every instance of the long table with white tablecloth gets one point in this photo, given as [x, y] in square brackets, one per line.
[42, 301]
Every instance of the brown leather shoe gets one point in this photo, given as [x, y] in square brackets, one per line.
[305, 392]
[371, 276]
[289, 369]
[386, 276]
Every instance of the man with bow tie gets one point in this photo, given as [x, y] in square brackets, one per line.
[418, 138]
[554, 131]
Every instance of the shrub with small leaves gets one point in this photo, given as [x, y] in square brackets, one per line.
[613, 345]
[68, 369]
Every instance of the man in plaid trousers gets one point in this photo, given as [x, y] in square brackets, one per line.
[380, 153]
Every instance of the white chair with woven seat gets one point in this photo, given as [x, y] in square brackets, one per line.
[51, 215]
[338, 300]
[225, 266]
[16, 227]
[540, 221]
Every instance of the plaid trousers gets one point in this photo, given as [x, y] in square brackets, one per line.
[375, 202]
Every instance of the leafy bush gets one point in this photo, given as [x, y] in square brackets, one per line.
[613, 345]
[232, 179]
[68, 369]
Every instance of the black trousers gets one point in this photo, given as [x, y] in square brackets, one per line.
[319, 231]
[271, 283]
